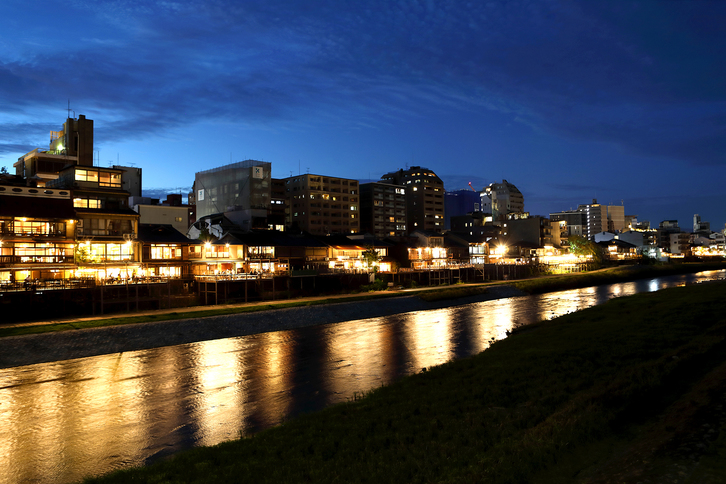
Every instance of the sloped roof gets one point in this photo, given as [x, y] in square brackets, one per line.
[345, 241]
[617, 242]
[162, 234]
[269, 238]
[37, 207]
[466, 237]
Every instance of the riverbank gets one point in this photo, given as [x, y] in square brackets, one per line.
[590, 397]
[63, 345]
[61, 340]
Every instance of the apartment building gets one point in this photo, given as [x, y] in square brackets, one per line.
[571, 222]
[503, 198]
[383, 209]
[278, 205]
[323, 205]
[241, 191]
[424, 197]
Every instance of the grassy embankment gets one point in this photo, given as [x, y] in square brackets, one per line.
[565, 400]
[532, 286]
[551, 283]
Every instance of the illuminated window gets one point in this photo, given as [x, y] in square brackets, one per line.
[163, 251]
[109, 180]
[86, 175]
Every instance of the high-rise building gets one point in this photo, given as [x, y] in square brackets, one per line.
[278, 205]
[323, 205]
[424, 197]
[383, 209]
[616, 218]
[503, 198]
[700, 227]
[596, 217]
[458, 203]
[241, 191]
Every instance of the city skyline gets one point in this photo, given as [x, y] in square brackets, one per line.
[568, 101]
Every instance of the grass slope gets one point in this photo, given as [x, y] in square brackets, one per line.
[548, 404]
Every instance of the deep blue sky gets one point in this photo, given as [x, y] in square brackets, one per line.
[569, 101]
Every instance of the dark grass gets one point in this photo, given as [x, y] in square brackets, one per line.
[527, 405]
[611, 275]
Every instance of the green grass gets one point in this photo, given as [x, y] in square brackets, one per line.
[551, 398]
[453, 292]
[608, 276]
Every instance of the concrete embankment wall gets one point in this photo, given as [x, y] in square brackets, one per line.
[45, 347]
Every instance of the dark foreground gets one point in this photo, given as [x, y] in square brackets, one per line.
[630, 391]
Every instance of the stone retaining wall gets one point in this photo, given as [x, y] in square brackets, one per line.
[65, 345]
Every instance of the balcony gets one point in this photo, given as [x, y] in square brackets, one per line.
[6, 260]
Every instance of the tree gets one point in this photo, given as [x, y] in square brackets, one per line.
[371, 258]
[83, 254]
[580, 246]
[3, 171]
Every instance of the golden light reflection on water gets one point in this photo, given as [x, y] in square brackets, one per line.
[355, 355]
[428, 338]
[497, 320]
[220, 409]
[273, 369]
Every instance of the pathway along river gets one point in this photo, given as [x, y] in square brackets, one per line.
[65, 420]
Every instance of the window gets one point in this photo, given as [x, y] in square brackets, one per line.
[86, 175]
[109, 180]
[86, 203]
[163, 251]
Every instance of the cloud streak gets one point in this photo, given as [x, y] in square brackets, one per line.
[645, 78]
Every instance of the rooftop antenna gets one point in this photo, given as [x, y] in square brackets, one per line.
[69, 108]
[298, 167]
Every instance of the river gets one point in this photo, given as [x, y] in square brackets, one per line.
[65, 420]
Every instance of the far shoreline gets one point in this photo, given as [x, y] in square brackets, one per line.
[118, 337]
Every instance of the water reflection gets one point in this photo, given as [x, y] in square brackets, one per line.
[66, 420]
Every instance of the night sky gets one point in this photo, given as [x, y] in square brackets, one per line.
[620, 101]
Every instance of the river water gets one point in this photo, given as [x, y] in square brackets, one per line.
[65, 420]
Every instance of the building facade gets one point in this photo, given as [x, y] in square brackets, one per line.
[459, 203]
[383, 209]
[37, 234]
[424, 197]
[241, 191]
[503, 198]
[323, 205]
